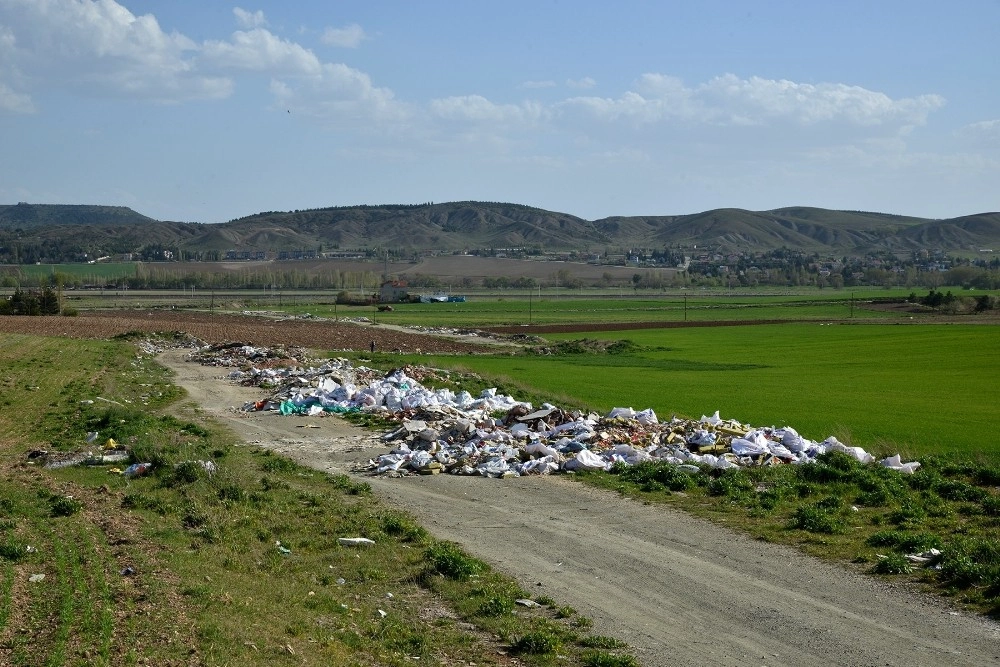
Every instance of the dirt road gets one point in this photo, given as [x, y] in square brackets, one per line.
[679, 590]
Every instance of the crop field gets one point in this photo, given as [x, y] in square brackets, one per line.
[909, 389]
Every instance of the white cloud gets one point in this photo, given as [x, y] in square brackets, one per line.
[338, 93]
[729, 100]
[348, 37]
[986, 131]
[532, 85]
[585, 82]
[13, 101]
[103, 47]
[759, 99]
[476, 108]
[245, 19]
[262, 51]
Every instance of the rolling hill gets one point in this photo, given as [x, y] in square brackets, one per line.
[457, 226]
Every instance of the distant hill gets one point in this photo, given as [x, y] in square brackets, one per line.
[40, 230]
[32, 216]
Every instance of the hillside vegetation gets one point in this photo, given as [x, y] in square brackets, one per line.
[30, 233]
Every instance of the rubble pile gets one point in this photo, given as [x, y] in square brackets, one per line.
[494, 435]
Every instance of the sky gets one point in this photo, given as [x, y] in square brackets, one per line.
[206, 111]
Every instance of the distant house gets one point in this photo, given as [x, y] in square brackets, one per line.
[393, 291]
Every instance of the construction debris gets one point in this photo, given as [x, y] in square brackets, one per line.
[494, 435]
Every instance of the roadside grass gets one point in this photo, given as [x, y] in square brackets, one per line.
[916, 390]
[842, 510]
[242, 565]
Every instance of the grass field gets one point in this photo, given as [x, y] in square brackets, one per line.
[910, 389]
[239, 567]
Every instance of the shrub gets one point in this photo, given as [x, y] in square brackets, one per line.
[662, 473]
[893, 564]
[448, 559]
[733, 484]
[904, 541]
[957, 490]
[598, 641]
[971, 562]
[402, 526]
[13, 550]
[987, 476]
[537, 643]
[496, 605]
[817, 519]
[602, 659]
[908, 514]
[64, 506]
[185, 472]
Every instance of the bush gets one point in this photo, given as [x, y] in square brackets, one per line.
[13, 550]
[904, 541]
[601, 659]
[448, 559]
[971, 562]
[733, 484]
[537, 643]
[496, 606]
[817, 519]
[893, 564]
[402, 526]
[651, 473]
[64, 506]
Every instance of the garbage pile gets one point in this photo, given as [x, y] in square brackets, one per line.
[495, 435]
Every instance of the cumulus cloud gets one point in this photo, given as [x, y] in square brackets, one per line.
[534, 85]
[476, 108]
[348, 37]
[759, 99]
[986, 131]
[245, 19]
[585, 82]
[730, 100]
[260, 50]
[338, 93]
[103, 47]
[13, 101]
[98, 47]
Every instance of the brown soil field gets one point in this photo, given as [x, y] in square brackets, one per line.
[250, 330]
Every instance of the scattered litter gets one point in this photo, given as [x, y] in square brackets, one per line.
[209, 467]
[355, 542]
[524, 602]
[382, 613]
[925, 557]
[128, 571]
[35, 578]
[138, 469]
[285, 551]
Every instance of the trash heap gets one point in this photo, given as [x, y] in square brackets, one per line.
[495, 435]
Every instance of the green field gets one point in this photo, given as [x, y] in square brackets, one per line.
[909, 389]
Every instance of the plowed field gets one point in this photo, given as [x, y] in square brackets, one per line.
[251, 330]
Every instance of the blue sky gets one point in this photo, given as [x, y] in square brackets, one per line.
[204, 111]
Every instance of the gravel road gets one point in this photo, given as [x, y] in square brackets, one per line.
[681, 591]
